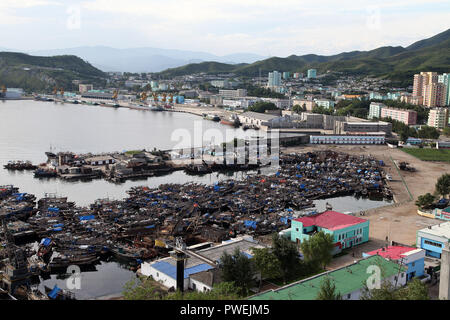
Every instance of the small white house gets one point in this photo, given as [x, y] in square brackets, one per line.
[198, 275]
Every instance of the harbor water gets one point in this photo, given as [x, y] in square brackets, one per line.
[30, 128]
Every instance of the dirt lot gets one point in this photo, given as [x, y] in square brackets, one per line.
[400, 221]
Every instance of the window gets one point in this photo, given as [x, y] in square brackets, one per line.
[349, 296]
[157, 274]
[431, 243]
[194, 286]
[413, 264]
[296, 229]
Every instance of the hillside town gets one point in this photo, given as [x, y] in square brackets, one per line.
[224, 155]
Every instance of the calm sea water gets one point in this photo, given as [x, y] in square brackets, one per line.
[29, 128]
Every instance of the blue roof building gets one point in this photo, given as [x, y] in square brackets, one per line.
[165, 270]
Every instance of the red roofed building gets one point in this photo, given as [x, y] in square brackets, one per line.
[347, 230]
[412, 258]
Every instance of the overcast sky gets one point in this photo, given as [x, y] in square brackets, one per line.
[265, 27]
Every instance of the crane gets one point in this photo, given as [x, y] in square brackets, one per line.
[115, 94]
[170, 98]
[61, 91]
[55, 91]
[3, 89]
[143, 96]
[164, 97]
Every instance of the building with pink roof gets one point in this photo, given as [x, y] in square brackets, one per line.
[347, 230]
[410, 257]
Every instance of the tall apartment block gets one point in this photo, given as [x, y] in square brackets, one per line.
[431, 89]
[274, 79]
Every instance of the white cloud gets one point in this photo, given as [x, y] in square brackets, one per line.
[266, 27]
[17, 4]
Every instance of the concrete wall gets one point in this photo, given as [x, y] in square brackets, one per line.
[199, 286]
[149, 271]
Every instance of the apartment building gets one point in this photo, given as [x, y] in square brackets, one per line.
[408, 117]
[375, 110]
[438, 118]
[232, 94]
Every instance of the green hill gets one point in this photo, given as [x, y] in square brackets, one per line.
[34, 73]
[206, 67]
[395, 63]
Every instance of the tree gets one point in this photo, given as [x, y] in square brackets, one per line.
[443, 185]
[328, 290]
[220, 291]
[239, 269]
[142, 289]
[385, 292]
[446, 131]
[262, 106]
[415, 290]
[427, 132]
[318, 248]
[425, 201]
[298, 108]
[266, 263]
[286, 253]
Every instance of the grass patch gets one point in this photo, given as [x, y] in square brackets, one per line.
[133, 152]
[429, 154]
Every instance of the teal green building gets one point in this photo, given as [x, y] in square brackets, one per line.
[347, 230]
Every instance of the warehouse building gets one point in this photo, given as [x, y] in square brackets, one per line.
[342, 127]
[373, 138]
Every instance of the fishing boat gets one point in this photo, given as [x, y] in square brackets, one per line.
[58, 294]
[231, 121]
[59, 261]
[156, 108]
[131, 253]
[19, 165]
[45, 173]
[213, 117]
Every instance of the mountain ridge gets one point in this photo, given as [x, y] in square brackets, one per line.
[35, 73]
[394, 62]
[145, 59]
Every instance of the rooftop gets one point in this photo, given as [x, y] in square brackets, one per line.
[392, 252]
[439, 230]
[259, 116]
[171, 270]
[214, 253]
[347, 279]
[330, 220]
